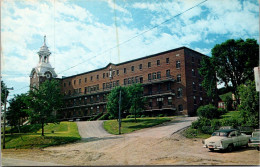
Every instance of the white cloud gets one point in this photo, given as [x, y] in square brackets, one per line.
[20, 79]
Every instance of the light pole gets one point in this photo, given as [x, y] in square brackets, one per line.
[119, 114]
[5, 115]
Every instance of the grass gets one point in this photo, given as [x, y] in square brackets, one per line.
[65, 132]
[129, 125]
[231, 114]
[195, 133]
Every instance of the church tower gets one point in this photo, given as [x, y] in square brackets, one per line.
[44, 69]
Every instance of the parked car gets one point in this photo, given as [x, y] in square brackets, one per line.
[226, 139]
[255, 140]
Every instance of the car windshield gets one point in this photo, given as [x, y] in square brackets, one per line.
[219, 134]
[256, 134]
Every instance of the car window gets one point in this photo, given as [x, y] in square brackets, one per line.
[219, 134]
[255, 134]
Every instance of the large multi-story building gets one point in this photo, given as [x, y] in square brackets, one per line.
[171, 82]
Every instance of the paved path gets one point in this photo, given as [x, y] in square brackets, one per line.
[89, 129]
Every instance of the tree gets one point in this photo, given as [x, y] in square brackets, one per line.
[44, 103]
[3, 88]
[137, 101]
[113, 101]
[208, 72]
[249, 106]
[17, 110]
[234, 61]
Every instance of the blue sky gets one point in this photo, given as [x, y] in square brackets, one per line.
[80, 33]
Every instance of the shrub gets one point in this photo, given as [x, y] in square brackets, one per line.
[130, 116]
[142, 116]
[222, 111]
[190, 133]
[160, 115]
[104, 116]
[209, 111]
[231, 122]
[195, 124]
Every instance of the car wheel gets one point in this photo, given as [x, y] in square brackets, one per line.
[230, 148]
[258, 148]
[211, 149]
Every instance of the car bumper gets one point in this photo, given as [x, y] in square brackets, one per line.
[254, 144]
[214, 147]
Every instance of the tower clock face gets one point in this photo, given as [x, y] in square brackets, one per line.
[48, 75]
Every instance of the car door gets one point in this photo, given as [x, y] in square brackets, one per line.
[234, 138]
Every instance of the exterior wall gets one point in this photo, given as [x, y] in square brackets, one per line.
[81, 91]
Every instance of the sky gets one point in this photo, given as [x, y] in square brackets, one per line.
[82, 34]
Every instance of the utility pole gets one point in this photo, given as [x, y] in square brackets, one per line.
[119, 117]
[5, 115]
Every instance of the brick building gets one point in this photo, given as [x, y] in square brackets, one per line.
[171, 82]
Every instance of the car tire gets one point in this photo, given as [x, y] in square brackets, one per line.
[211, 149]
[258, 148]
[230, 148]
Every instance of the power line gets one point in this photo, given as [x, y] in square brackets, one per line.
[122, 43]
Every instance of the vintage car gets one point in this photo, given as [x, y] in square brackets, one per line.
[226, 139]
[255, 140]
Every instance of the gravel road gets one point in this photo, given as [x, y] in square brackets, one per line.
[160, 145]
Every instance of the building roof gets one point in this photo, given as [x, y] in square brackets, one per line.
[145, 57]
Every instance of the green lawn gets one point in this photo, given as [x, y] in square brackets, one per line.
[231, 114]
[65, 132]
[129, 125]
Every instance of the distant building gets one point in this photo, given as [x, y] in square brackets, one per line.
[171, 82]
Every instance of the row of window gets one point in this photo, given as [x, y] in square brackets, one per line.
[158, 62]
[132, 80]
[110, 85]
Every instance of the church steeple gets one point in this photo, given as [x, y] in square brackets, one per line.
[44, 68]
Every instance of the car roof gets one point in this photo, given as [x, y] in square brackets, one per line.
[226, 130]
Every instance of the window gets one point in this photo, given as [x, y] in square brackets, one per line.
[69, 83]
[154, 75]
[85, 100]
[150, 102]
[136, 79]
[85, 90]
[85, 80]
[149, 77]
[168, 73]
[158, 62]
[193, 72]
[133, 81]
[169, 100]
[167, 60]
[194, 100]
[169, 86]
[199, 61]
[98, 98]
[117, 83]
[91, 78]
[141, 79]
[107, 74]
[140, 66]
[110, 85]
[192, 59]
[114, 83]
[179, 93]
[129, 80]
[104, 75]
[97, 86]
[124, 70]
[200, 87]
[117, 72]
[159, 87]
[178, 64]
[69, 92]
[125, 81]
[180, 108]
[149, 64]
[91, 99]
[64, 84]
[132, 68]
[79, 81]
[97, 109]
[74, 82]
[193, 86]
[97, 76]
[104, 86]
[107, 85]
[179, 78]
[79, 90]
[113, 73]
[158, 75]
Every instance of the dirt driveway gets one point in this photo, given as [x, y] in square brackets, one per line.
[161, 145]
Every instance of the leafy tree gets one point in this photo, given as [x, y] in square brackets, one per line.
[234, 61]
[249, 106]
[137, 101]
[208, 72]
[113, 101]
[210, 112]
[44, 103]
[17, 110]
[227, 98]
[3, 88]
